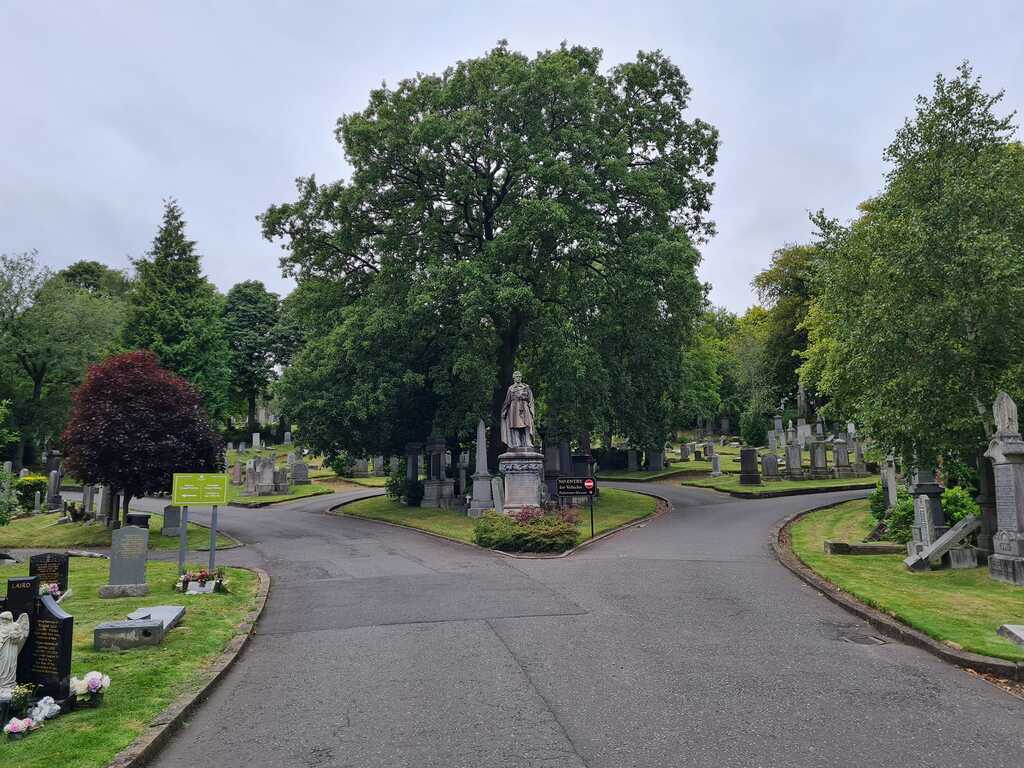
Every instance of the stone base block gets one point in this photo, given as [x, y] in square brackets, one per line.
[438, 493]
[124, 590]
[794, 474]
[523, 471]
[121, 635]
[1006, 568]
[750, 479]
[821, 474]
[961, 558]
[844, 472]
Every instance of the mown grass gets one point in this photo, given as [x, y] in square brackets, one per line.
[960, 607]
[732, 483]
[143, 680]
[38, 532]
[236, 498]
[615, 508]
[642, 474]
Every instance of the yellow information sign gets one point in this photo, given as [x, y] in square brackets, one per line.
[194, 490]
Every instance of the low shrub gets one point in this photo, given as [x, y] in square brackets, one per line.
[413, 493]
[900, 520]
[539, 533]
[753, 428]
[26, 487]
[876, 502]
[341, 464]
[957, 503]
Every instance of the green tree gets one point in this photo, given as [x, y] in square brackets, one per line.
[250, 320]
[51, 342]
[94, 277]
[785, 289]
[919, 315]
[176, 312]
[507, 205]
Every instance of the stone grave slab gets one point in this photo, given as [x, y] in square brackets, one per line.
[145, 626]
[951, 538]
[1012, 632]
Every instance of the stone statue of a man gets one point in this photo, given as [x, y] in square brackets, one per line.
[13, 635]
[517, 414]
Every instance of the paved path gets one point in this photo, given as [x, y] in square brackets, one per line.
[678, 643]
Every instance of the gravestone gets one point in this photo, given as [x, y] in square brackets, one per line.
[889, 482]
[144, 626]
[709, 450]
[498, 495]
[632, 463]
[53, 497]
[929, 525]
[438, 488]
[360, 468]
[9, 467]
[172, 521]
[772, 444]
[777, 420]
[37, 503]
[655, 459]
[749, 474]
[697, 454]
[287, 438]
[300, 473]
[716, 465]
[684, 452]
[412, 460]
[841, 457]
[770, 466]
[920, 559]
[819, 461]
[243, 447]
[256, 444]
[129, 549]
[51, 568]
[1006, 450]
[23, 472]
[22, 594]
[794, 461]
[379, 470]
[1012, 632]
[724, 425]
[50, 659]
[860, 467]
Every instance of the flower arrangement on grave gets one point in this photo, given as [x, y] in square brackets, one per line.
[90, 689]
[202, 577]
[53, 590]
[17, 729]
[20, 698]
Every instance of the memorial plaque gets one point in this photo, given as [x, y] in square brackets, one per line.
[129, 549]
[51, 568]
[50, 659]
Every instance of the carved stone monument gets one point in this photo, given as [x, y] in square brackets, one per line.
[522, 465]
[1006, 450]
[482, 499]
[13, 636]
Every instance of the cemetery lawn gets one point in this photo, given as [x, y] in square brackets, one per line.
[625, 474]
[962, 607]
[143, 681]
[38, 532]
[729, 483]
[616, 508]
[236, 499]
[370, 482]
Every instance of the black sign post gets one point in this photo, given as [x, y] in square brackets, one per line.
[579, 486]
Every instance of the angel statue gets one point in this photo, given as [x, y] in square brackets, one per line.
[13, 635]
[517, 414]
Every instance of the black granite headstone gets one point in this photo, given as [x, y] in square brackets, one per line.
[51, 568]
[51, 649]
[22, 594]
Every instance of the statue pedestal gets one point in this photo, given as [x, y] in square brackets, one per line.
[523, 469]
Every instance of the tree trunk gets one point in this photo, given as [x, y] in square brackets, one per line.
[252, 426]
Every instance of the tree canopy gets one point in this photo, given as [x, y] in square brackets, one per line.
[919, 317]
[176, 312]
[508, 212]
[250, 323]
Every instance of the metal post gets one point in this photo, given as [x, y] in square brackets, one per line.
[213, 540]
[591, 515]
[183, 540]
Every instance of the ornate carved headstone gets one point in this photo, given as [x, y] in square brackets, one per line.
[1006, 450]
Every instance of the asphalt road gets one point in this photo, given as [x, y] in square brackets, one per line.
[677, 643]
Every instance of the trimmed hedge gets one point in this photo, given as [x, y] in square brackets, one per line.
[542, 534]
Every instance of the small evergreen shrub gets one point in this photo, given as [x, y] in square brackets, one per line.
[26, 487]
[900, 520]
[957, 503]
[413, 493]
[341, 464]
[538, 533]
[876, 502]
[753, 428]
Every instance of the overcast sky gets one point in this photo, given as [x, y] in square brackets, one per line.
[108, 108]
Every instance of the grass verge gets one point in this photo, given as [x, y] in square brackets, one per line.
[143, 680]
[731, 484]
[39, 531]
[236, 498]
[960, 607]
[614, 509]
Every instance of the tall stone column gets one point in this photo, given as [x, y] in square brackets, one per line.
[1006, 450]
[482, 500]
[438, 490]
[412, 460]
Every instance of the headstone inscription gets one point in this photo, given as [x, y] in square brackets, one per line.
[129, 549]
[22, 593]
[50, 661]
[51, 568]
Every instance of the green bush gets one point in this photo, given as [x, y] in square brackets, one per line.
[8, 497]
[543, 534]
[413, 494]
[753, 428]
[900, 520]
[341, 464]
[876, 502]
[26, 487]
[958, 504]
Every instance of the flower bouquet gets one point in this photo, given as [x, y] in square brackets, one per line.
[17, 729]
[89, 689]
[53, 590]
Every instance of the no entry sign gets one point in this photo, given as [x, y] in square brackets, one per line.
[576, 486]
